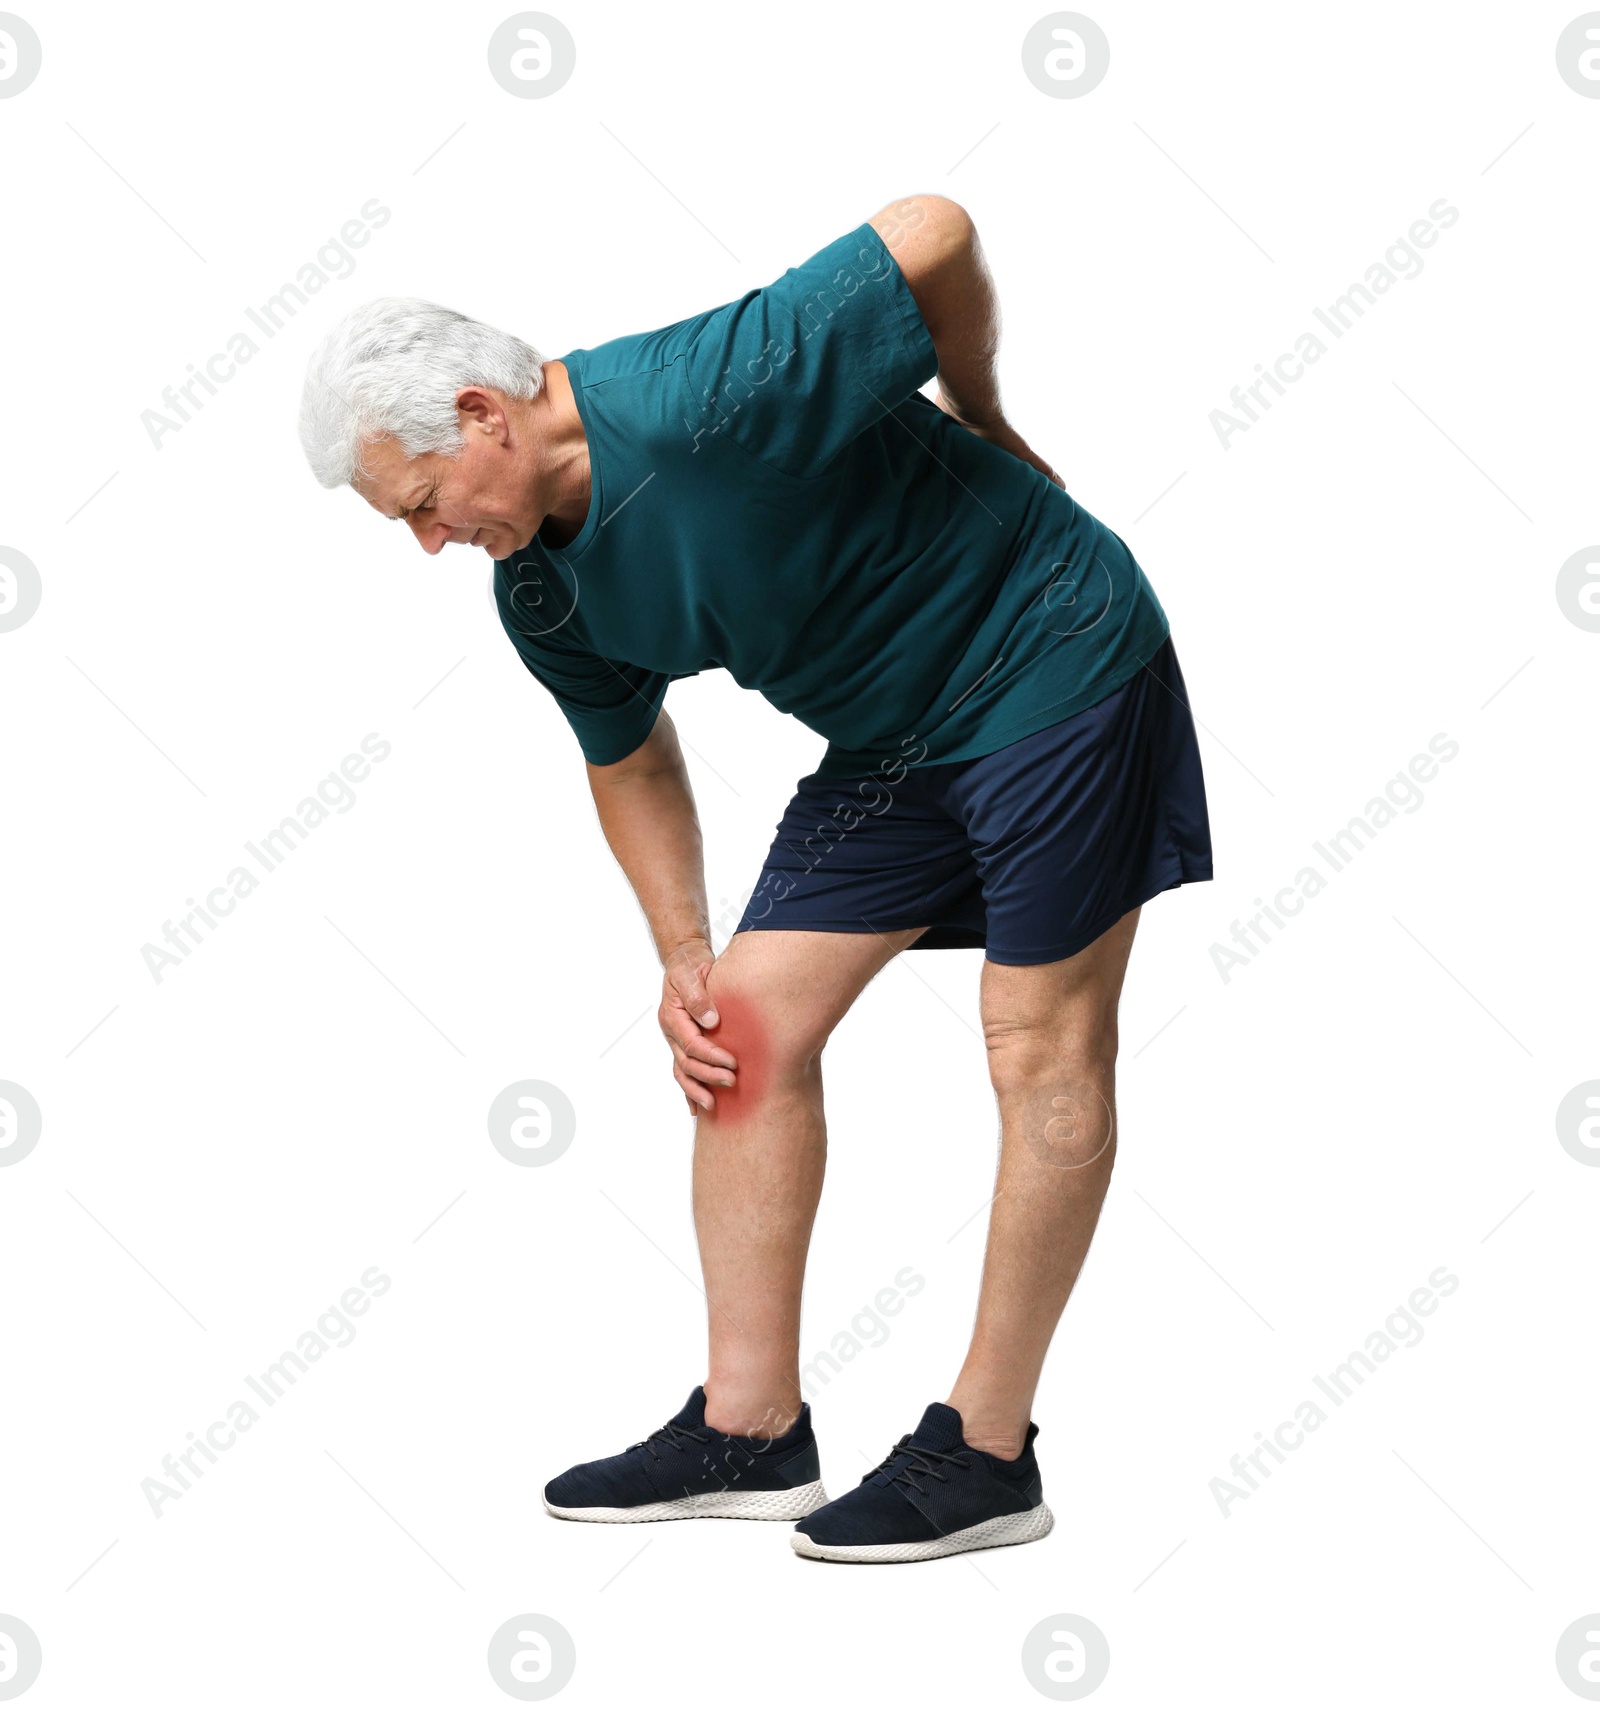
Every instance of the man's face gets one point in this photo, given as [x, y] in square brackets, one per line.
[479, 498]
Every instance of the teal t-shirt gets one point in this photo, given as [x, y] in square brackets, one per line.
[771, 494]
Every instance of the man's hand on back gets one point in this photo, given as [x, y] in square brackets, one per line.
[1001, 433]
[686, 1013]
[936, 247]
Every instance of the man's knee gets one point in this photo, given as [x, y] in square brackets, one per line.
[1056, 1088]
[1026, 1052]
[771, 1033]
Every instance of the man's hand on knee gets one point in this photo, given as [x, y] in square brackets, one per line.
[698, 1064]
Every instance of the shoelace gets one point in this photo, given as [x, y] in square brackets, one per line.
[674, 1435]
[907, 1462]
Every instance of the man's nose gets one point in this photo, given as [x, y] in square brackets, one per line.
[431, 536]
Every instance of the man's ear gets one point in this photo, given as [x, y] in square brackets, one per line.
[482, 413]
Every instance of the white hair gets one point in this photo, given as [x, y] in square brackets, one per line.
[392, 368]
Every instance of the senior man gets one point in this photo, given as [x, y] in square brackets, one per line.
[1011, 765]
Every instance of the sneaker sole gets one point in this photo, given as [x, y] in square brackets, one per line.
[770, 1505]
[1007, 1531]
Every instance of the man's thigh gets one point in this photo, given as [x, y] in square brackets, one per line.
[1062, 1006]
[1051, 1032]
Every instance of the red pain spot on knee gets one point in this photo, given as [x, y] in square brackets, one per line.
[742, 1031]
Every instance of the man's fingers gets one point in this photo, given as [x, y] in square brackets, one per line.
[712, 1076]
[703, 1048]
[699, 1066]
[682, 1033]
[692, 992]
[700, 1071]
[700, 1098]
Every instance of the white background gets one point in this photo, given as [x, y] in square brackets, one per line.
[1371, 1098]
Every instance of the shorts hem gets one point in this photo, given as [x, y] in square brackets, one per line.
[812, 927]
[1070, 948]
[972, 940]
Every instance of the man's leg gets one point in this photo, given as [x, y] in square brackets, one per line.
[759, 1157]
[1051, 1031]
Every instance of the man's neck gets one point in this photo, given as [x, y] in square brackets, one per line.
[565, 456]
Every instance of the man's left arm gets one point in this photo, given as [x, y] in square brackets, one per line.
[936, 246]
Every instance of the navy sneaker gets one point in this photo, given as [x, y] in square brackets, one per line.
[931, 1496]
[687, 1470]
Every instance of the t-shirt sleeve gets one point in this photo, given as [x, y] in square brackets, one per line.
[795, 371]
[610, 705]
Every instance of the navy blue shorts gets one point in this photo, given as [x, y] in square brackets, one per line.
[1031, 852]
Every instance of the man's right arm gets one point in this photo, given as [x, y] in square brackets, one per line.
[647, 813]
